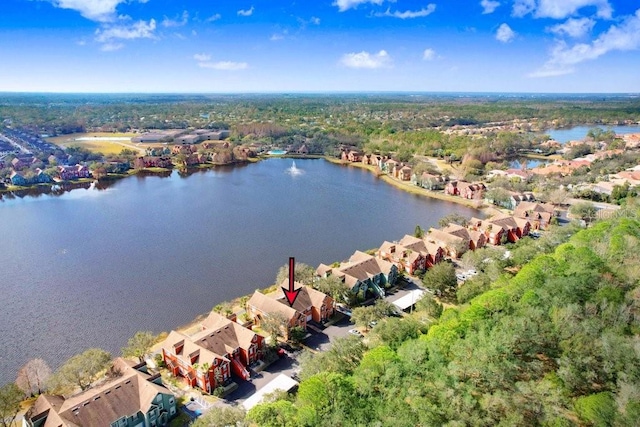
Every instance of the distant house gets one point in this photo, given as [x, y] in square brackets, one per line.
[452, 188]
[475, 239]
[183, 149]
[473, 191]
[514, 200]
[153, 162]
[18, 164]
[430, 181]
[29, 178]
[389, 165]
[538, 214]
[132, 398]
[18, 179]
[69, 173]
[522, 175]
[157, 151]
[403, 173]
[303, 150]
[352, 156]
[119, 166]
[501, 228]
[453, 246]
[261, 306]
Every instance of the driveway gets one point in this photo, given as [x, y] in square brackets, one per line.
[285, 365]
[321, 341]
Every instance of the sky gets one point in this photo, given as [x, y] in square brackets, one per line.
[216, 46]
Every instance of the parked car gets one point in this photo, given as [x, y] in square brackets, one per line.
[472, 272]
[355, 332]
[461, 277]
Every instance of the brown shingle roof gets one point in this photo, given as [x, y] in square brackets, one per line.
[270, 305]
[200, 352]
[307, 297]
[126, 395]
[221, 332]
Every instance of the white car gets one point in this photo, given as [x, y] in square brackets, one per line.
[355, 332]
[461, 277]
[472, 272]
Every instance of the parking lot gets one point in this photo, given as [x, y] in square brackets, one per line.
[319, 339]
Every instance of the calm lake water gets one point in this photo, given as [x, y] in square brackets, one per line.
[89, 268]
[578, 133]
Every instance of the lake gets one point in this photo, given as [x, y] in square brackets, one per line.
[578, 133]
[89, 268]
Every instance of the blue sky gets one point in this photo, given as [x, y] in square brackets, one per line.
[320, 46]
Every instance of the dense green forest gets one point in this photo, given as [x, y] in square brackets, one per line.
[349, 114]
[554, 345]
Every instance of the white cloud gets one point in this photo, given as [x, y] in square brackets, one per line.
[560, 9]
[224, 65]
[202, 57]
[505, 34]
[314, 20]
[213, 18]
[575, 28]
[94, 10]
[276, 37]
[523, 7]
[367, 60]
[410, 13]
[622, 37]
[111, 47]
[247, 12]
[178, 22]
[139, 30]
[344, 5]
[429, 54]
[489, 6]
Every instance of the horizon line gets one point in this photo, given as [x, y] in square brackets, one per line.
[335, 92]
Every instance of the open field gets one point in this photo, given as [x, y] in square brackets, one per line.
[102, 142]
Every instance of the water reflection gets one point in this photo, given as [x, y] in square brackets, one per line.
[55, 190]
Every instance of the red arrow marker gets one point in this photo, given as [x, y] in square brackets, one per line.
[291, 293]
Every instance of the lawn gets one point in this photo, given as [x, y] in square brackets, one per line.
[100, 144]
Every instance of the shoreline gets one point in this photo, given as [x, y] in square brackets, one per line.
[413, 189]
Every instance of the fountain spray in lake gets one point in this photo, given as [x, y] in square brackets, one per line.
[293, 170]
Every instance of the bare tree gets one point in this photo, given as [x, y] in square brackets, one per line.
[33, 376]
